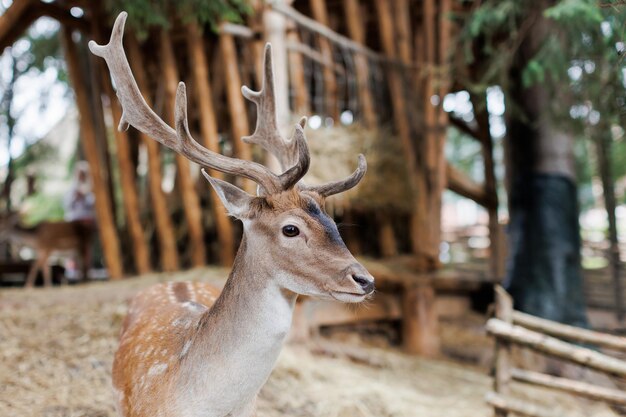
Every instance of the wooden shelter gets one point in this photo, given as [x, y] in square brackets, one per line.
[385, 63]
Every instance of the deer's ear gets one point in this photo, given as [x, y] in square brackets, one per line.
[236, 200]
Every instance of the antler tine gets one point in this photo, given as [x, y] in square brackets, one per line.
[266, 133]
[191, 149]
[268, 136]
[340, 186]
[136, 111]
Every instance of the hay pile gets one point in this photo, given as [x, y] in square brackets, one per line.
[334, 155]
[56, 349]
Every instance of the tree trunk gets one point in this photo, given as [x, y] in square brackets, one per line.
[543, 273]
[603, 144]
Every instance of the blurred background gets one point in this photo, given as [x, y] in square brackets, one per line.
[494, 134]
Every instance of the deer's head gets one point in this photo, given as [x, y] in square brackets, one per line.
[286, 229]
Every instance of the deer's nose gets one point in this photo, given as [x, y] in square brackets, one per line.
[367, 284]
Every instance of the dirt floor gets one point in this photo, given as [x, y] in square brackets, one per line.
[56, 349]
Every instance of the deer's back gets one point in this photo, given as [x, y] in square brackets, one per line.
[155, 337]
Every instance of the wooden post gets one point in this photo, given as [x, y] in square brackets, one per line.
[437, 159]
[141, 256]
[386, 235]
[318, 9]
[420, 324]
[356, 32]
[275, 31]
[190, 201]
[208, 129]
[388, 244]
[479, 103]
[397, 89]
[504, 312]
[302, 104]
[106, 223]
[164, 228]
[236, 107]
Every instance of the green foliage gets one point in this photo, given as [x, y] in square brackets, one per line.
[581, 62]
[41, 207]
[143, 14]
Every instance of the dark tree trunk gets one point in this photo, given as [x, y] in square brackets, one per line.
[603, 145]
[543, 271]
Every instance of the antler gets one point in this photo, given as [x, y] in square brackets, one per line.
[136, 112]
[269, 138]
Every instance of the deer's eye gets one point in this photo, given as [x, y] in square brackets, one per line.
[290, 230]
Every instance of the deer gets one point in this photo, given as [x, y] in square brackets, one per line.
[188, 349]
[46, 239]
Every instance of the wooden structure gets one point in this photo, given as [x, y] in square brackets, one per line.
[512, 327]
[385, 62]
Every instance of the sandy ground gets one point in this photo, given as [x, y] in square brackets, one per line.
[56, 349]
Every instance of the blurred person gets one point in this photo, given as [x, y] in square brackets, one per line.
[79, 205]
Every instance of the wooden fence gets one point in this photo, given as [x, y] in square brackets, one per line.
[512, 327]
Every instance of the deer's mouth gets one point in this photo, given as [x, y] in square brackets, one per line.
[348, 297]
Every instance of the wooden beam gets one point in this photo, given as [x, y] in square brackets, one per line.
[141, 255]
[502, 379]
[557, 348]
[21, 14]
[208, 129]
[333, 36]
[578, 388]
[168, 253]
[401, 122]
[461, 184]
[314, 55]
[356, 32]
[106, 223]
[236, 107]
[190, 200]
[320, 14]
[564, 331]
[302, 103]
[506, 405]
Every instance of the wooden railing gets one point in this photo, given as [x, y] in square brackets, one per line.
[512, 327]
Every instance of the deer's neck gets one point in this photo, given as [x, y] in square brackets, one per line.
[240, 337]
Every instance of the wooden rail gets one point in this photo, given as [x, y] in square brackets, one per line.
[513, 327]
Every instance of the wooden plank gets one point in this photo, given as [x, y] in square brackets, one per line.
[555, 347]
[302, 103]
[564, 331]
[236, 107]
[190, 200]
[106, 223]
[320, 14]
[141, 256]
[401, 123]
[356, 31]
[578, 388]
[168, 253]
[208, 129]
